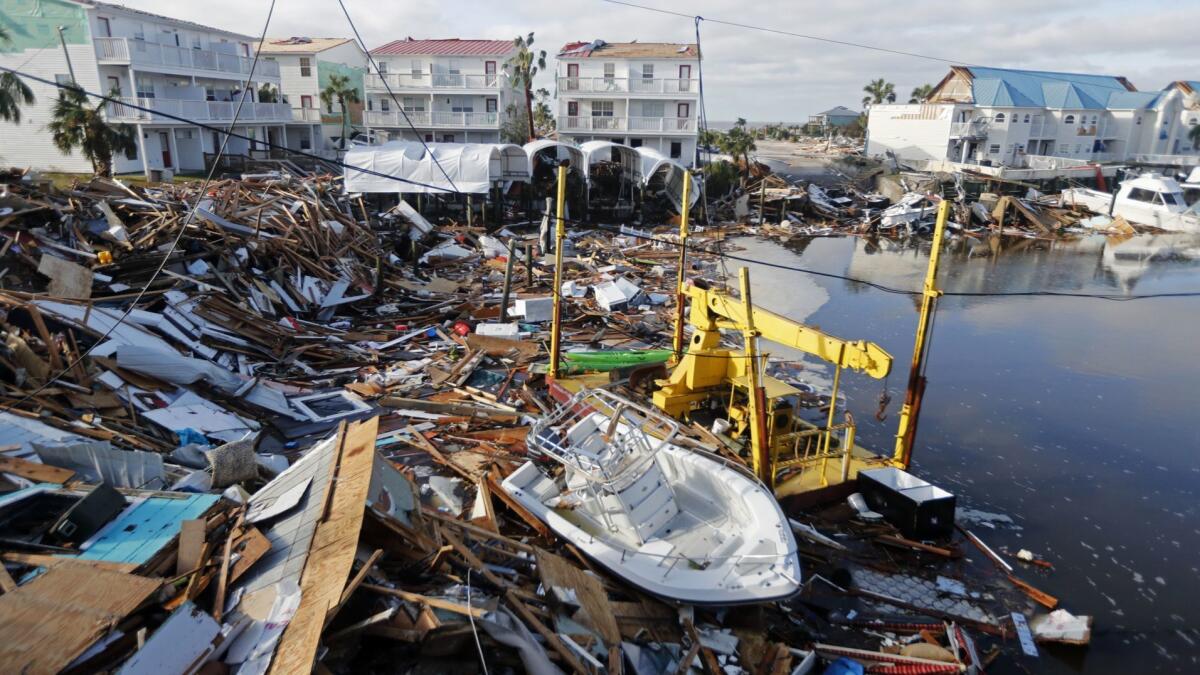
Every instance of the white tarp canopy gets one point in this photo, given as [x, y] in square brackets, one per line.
[607, 151]
[561, 151]
[471, 167]
[657, 166]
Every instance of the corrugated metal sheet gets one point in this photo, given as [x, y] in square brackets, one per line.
[447, 47]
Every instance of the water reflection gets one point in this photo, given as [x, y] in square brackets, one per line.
[1074, 416]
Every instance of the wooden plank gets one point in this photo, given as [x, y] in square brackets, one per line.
[45, 560]
[556, 572]
[35, 471]
[251, 546]
[354, 584]
[51, 620]
[331, 555]
[191, 545]
[7, 584]
[436, 603]
[517, 508]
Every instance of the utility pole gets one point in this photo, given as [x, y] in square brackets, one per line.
[63, 41]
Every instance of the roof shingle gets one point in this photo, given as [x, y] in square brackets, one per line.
[629, 50]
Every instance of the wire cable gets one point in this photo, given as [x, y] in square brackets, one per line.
[249, 85]
[399, 106]
[471, 616]
[231, 134]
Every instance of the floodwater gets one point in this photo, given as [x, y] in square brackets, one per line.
[1076, 417]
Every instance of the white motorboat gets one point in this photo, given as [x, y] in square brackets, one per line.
[686, 526]
[910, 209]
[1150, 199]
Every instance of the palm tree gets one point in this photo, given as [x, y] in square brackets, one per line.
[340, 90]
[1194, 136]
[524, 66]
[77, 124]
[543, 115]
[738, 142]
[13, 92]
[921, 94]
[878, 91]
[268, 94]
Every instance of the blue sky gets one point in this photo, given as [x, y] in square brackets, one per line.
[762, 76]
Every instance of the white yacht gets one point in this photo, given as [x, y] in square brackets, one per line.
[1150, 199]
[683, 525]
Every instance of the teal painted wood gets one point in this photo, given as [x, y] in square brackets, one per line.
[136, 535]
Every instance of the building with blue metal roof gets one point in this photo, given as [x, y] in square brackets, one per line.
[1009, 117]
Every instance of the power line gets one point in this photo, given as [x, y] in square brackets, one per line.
[178, 237]
[399, 106]
[228, 132]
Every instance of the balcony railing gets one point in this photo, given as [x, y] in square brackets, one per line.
[665, 125]
[149, 54]
[437, 119]
[1043, 129]
[636, 85]
[306, 114]
[201, 111]
[433, 81]
[974, 129]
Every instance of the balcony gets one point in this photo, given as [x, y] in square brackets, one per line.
[653, 125]
[1043, 129]
[628, 85]
[306, 114]
[200, 111]
[973, 129]
[434, 120]
[439, 81]
[625, 85]
[149, 55]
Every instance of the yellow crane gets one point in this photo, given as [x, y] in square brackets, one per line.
[788, 453]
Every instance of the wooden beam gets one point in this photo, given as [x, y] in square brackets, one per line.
[353, 585]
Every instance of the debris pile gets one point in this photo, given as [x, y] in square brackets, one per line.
[289, 452]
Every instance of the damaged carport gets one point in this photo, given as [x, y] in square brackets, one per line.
[662, 181]
[545, 155]
[614, 178]
[439, 169]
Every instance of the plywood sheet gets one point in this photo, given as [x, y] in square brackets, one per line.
[51, 620]
[557, 572]
[331, 555]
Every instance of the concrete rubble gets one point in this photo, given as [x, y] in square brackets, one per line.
[287, 454]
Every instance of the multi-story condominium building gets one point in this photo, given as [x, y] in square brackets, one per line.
[162, 64]
[452, 91]
[305, 67]
[636, 93]
[995, 116]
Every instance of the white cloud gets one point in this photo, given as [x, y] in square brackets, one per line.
[762, 76]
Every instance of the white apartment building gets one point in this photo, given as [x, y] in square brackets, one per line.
[452, 91]
[635, 93]
[305, 66]
[166, 65]
[1001, 117]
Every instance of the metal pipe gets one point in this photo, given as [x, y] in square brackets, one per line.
[560, 235]
[508, 273]
[677, 342]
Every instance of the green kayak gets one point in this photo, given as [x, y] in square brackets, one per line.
[617, 358]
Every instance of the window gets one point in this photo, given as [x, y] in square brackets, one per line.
[1142, 195]
[414, 104]
[62, 79]
[994, 149]
[105, 27]
[416, 68]
[463, 106]
[491, 105]
[1026, 118]
[1193, 122]
[114, 85]
[370, 104]
[131, 153]
[1064, 149]
[602, 108]
[428, 138]
[447, 138]
[1078, 148]
[305, 66]
[610, 71]
[1139, 120]
[305, 144]
[145, 88]
[635, 142]
[653, 109]
[1069, 119]
[647, 71]
[385, 105]
[1095, 119]
[455, 67]
[999, 118]
[676, 149]
[382, 66]
[572, 108]
[1170, 198]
